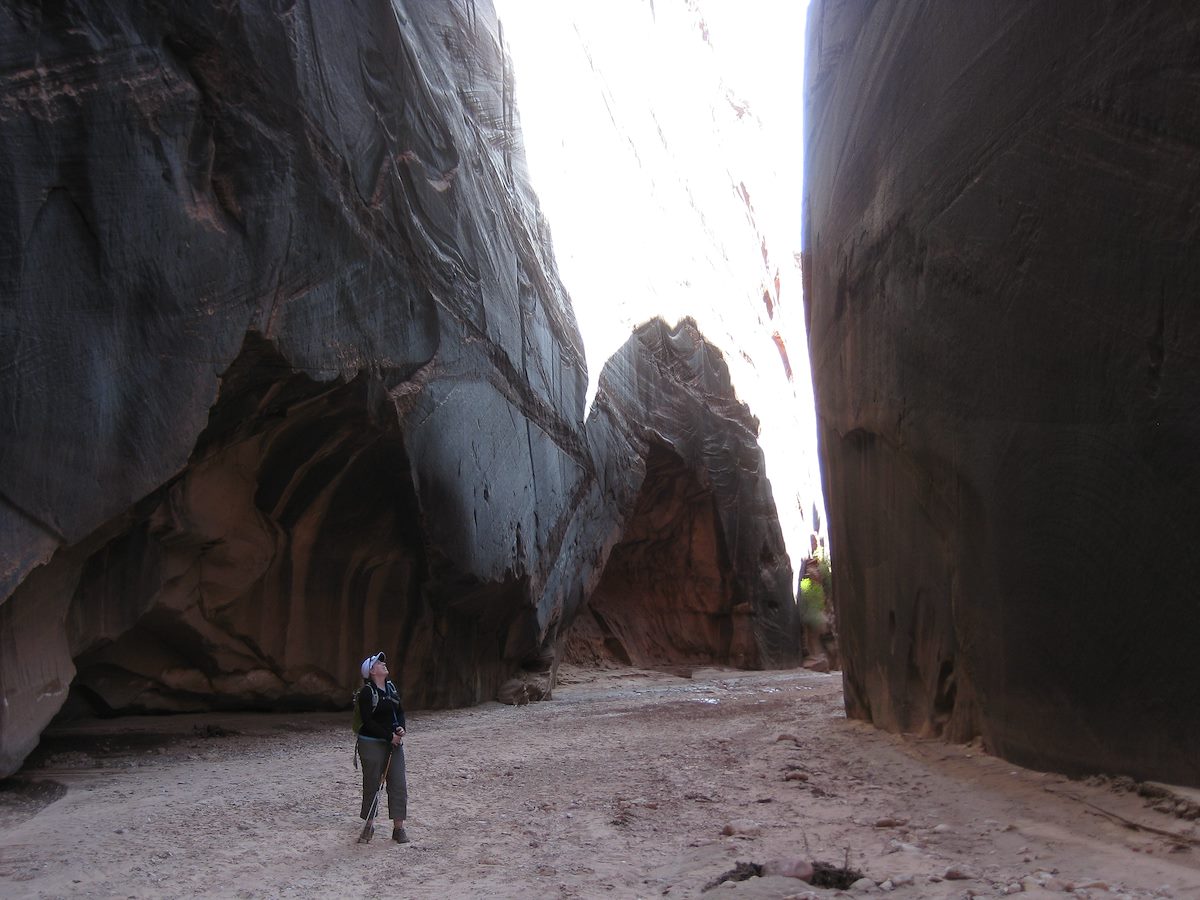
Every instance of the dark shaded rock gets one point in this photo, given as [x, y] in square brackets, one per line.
[1000, 256]
[693, 567]
[291, 377]
[742, 871]
[21, 800]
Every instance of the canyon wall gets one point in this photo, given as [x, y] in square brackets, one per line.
[1000, 264]
[290, 376]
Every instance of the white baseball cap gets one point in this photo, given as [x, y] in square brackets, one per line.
[370, 661]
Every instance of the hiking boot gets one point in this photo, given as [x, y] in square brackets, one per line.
[399, 836]
[367, 834]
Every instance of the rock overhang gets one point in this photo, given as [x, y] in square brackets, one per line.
[317, 383]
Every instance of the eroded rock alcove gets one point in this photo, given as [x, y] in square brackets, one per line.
[295, 375]
[666, 597]
[292, 540]
[290, 338]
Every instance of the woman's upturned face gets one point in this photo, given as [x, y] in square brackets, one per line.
[380, 668]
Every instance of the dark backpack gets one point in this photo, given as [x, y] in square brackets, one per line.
[357, 721]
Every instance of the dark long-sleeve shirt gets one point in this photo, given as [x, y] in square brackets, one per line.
[388, 712]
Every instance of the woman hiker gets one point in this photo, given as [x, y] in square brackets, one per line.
[380, 737]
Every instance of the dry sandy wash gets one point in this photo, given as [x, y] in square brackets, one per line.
[621, 786]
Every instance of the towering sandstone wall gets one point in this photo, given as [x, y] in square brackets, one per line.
[289, 375]
[1002, 271]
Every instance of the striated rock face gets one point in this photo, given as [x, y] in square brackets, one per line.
[1001, 265]
[291, 377]
[291, 361]
[695, 569]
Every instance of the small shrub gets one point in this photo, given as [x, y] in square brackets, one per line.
[812, 603]
[824, 573]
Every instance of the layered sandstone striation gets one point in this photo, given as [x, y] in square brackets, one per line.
[1000, 256]
[694, 566]
[290, 376]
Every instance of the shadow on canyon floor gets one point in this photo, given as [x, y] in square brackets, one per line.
[630, 783]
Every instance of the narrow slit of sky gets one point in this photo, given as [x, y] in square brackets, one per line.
[663, 139]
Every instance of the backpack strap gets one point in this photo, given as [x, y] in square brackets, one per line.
[392, 692]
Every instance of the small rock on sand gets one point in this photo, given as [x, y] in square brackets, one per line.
[742, 828]
[796, 867]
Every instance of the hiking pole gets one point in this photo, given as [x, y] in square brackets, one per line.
[368, 830]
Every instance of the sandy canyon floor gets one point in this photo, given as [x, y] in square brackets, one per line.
[626, 784]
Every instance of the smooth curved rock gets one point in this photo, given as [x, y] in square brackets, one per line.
[1001, 265]
[694, 570]
[291, 376]
[290, 360]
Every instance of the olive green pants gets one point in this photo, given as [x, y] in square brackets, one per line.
[374, 755]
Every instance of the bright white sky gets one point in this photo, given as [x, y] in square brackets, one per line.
[641, 120]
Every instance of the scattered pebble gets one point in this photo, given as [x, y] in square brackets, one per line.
[742, 828]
